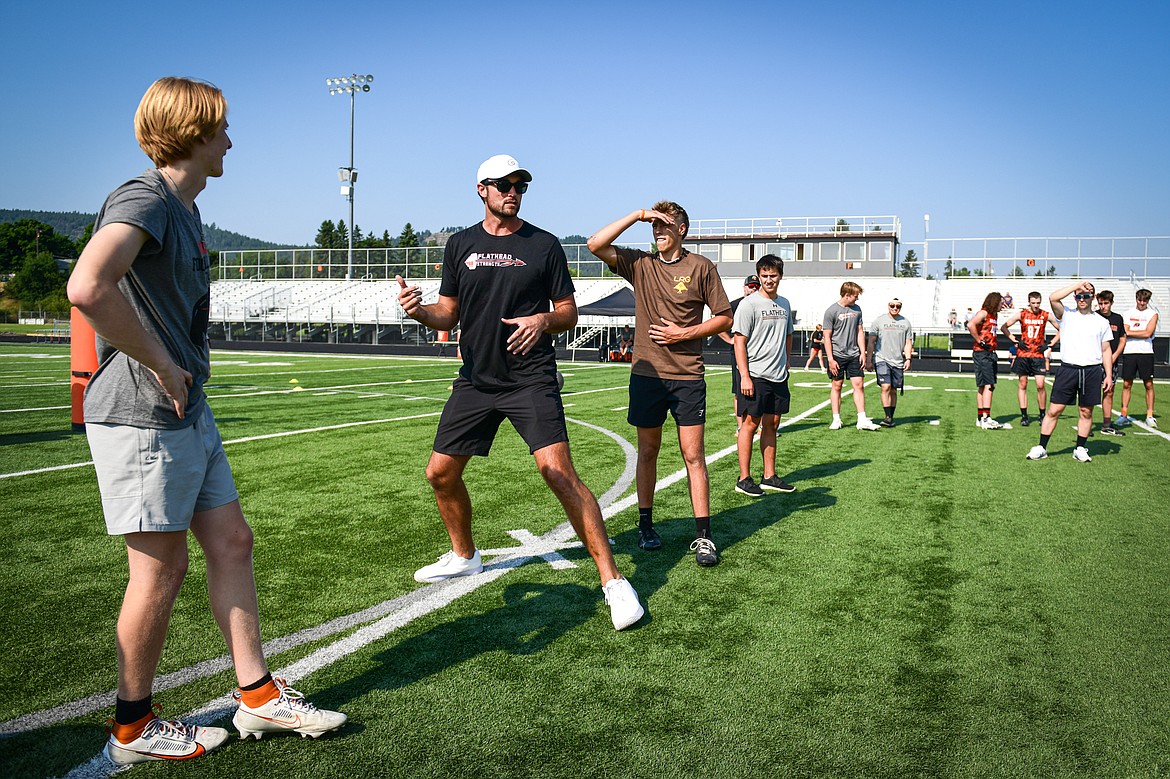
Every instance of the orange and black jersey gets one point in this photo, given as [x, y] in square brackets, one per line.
[1032, 341]
[987, 331]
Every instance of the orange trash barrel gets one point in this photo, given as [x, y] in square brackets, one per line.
[82, 364]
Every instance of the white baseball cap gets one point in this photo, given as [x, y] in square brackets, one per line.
[500, 167]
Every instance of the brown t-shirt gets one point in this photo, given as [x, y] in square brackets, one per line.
[675, 291]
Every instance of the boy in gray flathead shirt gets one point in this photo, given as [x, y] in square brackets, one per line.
[845, 353]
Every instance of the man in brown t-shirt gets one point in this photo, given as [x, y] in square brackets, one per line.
[671, 288]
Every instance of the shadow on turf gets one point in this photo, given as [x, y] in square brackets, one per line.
[536, 614]
[532, 617]
[44, 436]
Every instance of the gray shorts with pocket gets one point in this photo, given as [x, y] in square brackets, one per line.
[155, 480]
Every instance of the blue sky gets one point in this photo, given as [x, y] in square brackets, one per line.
[997, 119]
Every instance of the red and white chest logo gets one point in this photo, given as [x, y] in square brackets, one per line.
[475, 260]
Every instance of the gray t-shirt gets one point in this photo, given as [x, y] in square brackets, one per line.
[892, 334]
[766, 324]
[169, 287]
[842, 323]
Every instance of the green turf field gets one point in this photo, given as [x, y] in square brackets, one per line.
[927, 604]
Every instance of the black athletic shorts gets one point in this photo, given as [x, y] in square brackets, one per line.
[734, 380]
[1029, 366]
[850, 368]
[1138, 366]
[768, 397]
[986, 368]
[651, 398]
[1076, 384]
[472, 417]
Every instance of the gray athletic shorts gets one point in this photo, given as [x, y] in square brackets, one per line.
[155, 480]
[893, 375]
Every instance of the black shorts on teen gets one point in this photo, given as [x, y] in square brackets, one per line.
[1029, 366]
[850, 368]
[768, 397]
[1138, 366]
[651, 397]
[472, 417]
[986, 368]
[1077, 385]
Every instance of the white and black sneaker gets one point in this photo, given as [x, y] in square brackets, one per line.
[748, 486]
[706, 554]
[776, 484]
[1037, 452]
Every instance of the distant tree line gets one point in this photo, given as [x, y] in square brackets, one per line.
[331, 235]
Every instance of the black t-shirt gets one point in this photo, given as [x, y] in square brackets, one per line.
[1116, 327]
[503, 277]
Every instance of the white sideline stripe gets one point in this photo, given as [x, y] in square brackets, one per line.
[244, 440]
[42, 408]
[406, 604]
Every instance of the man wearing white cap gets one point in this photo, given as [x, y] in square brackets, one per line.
[499, 277]
[891, 344]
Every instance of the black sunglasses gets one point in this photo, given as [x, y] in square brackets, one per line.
[504, 186]
[1083, 296]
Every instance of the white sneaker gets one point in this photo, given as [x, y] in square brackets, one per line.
[1151, 422]
[624, 608]
[165, 739]
[1081, 455]
[867, 424]
[836, 424]
[449, 566]
[991, 424]
[1037, 452]
[287, 712]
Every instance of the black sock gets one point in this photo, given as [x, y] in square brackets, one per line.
[1044, 439]
[889, 411]
[702, 527]
[257, 685]
[129, 712]
[1081, 440]
[1041, 412]
[1023, 411]
[646, 518]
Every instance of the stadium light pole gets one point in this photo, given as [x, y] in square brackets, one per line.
[352, 86]
[925, 237]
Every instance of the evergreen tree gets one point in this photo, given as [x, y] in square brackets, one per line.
[327, 235]
[342, 234]
[909, 269]
[408, 238]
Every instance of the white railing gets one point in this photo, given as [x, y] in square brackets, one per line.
[424, 262]
[791, 226]
[1137, 256]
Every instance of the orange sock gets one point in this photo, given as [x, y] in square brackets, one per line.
[258, 697]
[127, 733]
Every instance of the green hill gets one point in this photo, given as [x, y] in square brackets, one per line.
[73, 224]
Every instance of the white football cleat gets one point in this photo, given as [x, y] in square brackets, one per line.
[288, 712]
